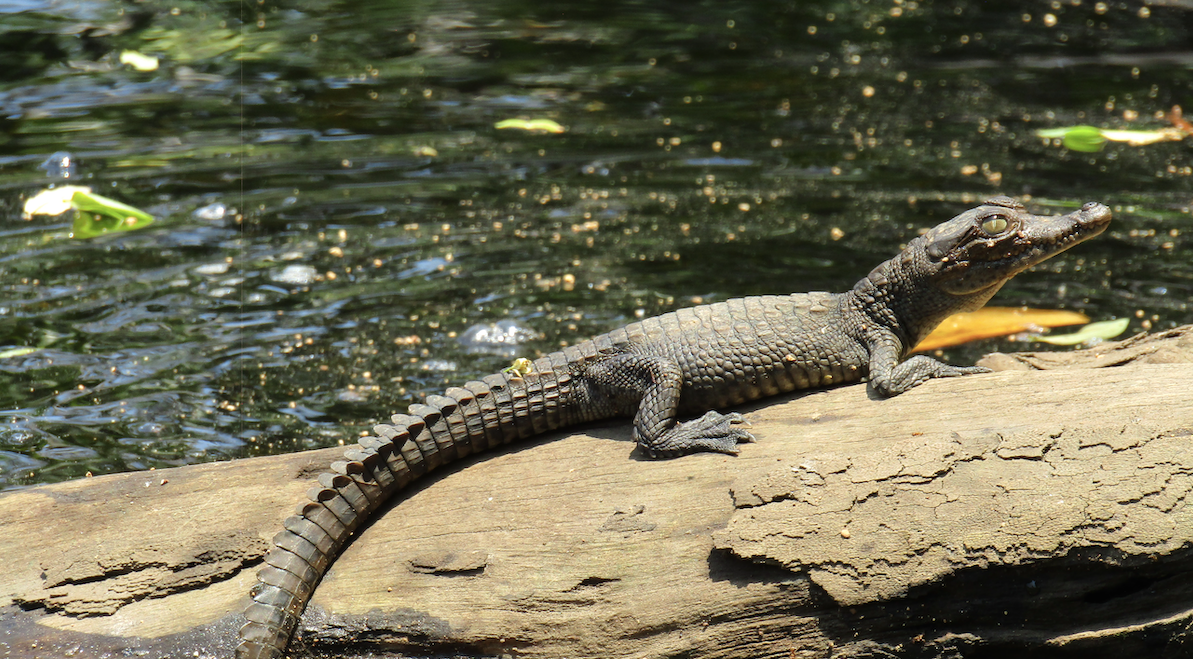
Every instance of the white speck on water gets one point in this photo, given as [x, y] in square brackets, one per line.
[502, 337]
[60, 164]
[212, 269]
[295, 274]
[211, 212]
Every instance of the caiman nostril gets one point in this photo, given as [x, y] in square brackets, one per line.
[1095, 213]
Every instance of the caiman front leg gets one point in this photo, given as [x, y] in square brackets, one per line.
[890, 377]
[654, 383]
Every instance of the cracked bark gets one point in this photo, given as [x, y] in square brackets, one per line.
[1042, 512]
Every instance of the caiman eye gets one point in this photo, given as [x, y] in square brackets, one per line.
[995, 224]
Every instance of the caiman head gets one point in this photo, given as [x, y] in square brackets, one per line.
[960, 264]
[986, 246]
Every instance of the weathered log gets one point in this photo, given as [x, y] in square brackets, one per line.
[1014, 513]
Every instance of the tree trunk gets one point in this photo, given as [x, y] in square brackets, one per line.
[1030, 512]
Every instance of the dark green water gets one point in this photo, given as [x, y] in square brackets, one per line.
[372, 212]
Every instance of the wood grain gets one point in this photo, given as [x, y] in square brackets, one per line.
[1040, 511]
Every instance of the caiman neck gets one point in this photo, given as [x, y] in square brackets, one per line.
[899, 296]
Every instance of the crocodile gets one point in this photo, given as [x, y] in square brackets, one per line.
[692, 361]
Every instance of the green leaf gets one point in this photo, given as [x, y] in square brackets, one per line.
[99, 215]
[1106, 329]
[1090, 138]
[1084, 138]
[16, 352]
[1077, 138]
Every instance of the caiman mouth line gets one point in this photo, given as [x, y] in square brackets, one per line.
[1083, 231]
[1079, 232]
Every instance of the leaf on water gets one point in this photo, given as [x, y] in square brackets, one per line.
[1091, 138]
[99, 215]
[54, 201]
[534, 125]
[138, 61]
[1077, 138]
[16, 352]
[990, 322]
[1144, 137]
[1059, 133]
[190, 45]
[1106, 329]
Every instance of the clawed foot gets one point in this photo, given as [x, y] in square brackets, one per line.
[891, 381]
[715, 432]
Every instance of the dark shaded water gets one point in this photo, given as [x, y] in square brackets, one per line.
[336, 207]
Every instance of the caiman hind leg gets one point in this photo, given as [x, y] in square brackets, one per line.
[652, 385]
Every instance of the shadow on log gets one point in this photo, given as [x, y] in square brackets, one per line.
[1042, 511]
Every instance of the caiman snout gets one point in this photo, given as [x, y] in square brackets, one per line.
[1093, 213]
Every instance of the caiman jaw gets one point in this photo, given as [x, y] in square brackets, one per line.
[1091, 220]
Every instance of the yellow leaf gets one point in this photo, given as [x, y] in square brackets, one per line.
[521, 366]
[138, 61]
[534, 125]
[54, 201]
[1144, 137]
[995, 321]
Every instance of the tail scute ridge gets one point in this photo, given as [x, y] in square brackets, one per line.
[305, 549]
[481, 415]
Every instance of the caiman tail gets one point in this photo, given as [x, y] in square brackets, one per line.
[480, 415]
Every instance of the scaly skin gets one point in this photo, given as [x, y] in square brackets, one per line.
[689, 361]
